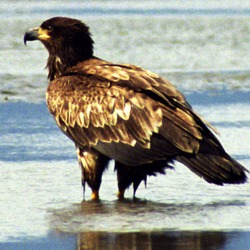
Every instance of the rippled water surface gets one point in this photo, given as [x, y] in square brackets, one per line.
[201, 48]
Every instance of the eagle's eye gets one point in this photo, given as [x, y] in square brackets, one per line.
[50, 28]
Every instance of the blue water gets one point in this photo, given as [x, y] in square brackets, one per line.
[202, 48]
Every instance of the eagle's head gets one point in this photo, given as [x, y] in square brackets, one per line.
[67, 40]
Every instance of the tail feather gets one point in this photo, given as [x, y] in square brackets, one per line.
[217, 169]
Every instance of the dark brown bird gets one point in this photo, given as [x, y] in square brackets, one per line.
[125, 113]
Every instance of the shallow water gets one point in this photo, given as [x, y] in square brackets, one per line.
[205, 53]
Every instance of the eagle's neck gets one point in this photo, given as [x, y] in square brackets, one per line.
[55, 67]
[59, 63]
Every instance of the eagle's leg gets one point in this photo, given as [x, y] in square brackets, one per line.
[126, 177]
[92, 165]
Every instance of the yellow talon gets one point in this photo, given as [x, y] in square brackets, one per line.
[120, 194]
[95, 195]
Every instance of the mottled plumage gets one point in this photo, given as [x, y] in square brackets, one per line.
[125, 113]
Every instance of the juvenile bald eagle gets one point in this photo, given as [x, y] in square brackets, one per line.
[125, 113]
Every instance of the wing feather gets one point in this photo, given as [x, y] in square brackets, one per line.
[124, 104]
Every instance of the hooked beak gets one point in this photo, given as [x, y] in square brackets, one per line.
[31, 35]
[36, 34]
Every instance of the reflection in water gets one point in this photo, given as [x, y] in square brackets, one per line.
[152, 240]
[176, 240]
[140, 224]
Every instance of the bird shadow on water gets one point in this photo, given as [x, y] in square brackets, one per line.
[141, 224]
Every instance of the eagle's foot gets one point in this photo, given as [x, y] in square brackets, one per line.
[95, 195]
